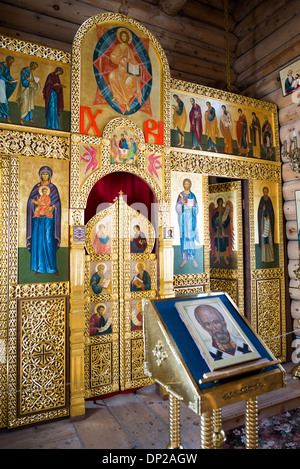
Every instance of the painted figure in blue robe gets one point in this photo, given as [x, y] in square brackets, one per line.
[43, 231]
[123, 143]
[97, 279]
[141, 281]
[288, 84]
[7, 87]
[29, 86]
[187, 211]
[53, 96]
[131, 154]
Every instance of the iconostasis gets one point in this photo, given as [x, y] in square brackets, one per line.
[119, 183]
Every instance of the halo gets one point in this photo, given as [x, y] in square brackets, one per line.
[121, 30]
[100, 304]
[44, 187]
[36, 167]
[185, 176]
[101, 222]
[216, 197]
[137, 222]
[139, 304]
[265, 184]
[140, 262]
[101, 263]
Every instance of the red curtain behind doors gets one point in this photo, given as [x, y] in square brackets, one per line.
[108, 188]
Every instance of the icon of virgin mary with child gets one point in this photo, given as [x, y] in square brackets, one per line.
[43, 230]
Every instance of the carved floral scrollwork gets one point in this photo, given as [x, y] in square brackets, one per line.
[43, 333]
[159, 353]
[13, 142]
[36, 50]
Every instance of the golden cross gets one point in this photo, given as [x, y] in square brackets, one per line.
[43, 352]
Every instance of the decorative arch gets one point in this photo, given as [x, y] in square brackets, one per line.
[97, 175]
[80, 192]
[85, 41]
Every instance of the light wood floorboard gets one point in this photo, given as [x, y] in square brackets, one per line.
[139, 420]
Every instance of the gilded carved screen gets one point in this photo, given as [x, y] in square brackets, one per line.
[174, 131]
[34, 135]
[215, 133]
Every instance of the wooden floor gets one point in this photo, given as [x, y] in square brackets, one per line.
[139, 421]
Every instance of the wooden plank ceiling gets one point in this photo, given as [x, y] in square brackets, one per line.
[191, 32]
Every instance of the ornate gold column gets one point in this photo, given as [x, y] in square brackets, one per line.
[251, 423]
[206, 430]
[174, 422]
[218, 434]
[166, 266]
[77, 326]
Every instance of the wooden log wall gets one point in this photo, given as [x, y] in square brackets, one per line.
[193, 39]
[269, 38]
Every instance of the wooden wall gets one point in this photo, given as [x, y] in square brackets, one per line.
[193, 39]
[269, 39]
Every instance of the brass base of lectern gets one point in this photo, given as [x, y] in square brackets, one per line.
[296, 372]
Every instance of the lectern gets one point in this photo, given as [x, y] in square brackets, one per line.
[205, 354]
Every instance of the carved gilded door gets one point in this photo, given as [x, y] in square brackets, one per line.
[120, 271]
[226, 240]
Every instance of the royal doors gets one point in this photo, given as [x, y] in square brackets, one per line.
[120, 270]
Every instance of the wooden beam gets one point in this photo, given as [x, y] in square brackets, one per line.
[262, 87]
[191, 78]
[38, 24]
[72, 11]
[207, 14]
[191, 47]
[289, 114]
[75, 12]
[246, 74]
[261, 14]
[242, 10]
[265, 51]
[189, 64]
[217, 4]
[277, 97]
[42, 41]
[171, 7]
[279, 27]
[150, 15]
